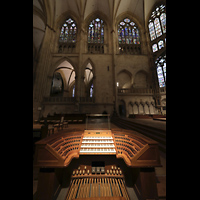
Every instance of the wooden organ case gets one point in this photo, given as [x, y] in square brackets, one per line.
[97, 165]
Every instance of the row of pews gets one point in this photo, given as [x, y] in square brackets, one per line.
[46, 126]
[51, 125]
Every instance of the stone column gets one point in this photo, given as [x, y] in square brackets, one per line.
[41, 78]
[113, 45]
[79, 80]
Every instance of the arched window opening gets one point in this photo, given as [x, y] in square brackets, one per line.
[160, 44]
[88, 80]
[65, 72]
[152, 31]
[157, 27]
[96, 36]
[154, 47]
[122, 108]
[57, 85]
[68, 35]
[91, 91]
[161, 70]
[163, 22]
[124, 80]
[73, 91]
[128, 37]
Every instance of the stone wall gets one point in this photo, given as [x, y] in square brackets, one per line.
[108, 67]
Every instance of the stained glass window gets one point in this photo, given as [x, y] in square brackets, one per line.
[157, 27]
[91, 90]
[96, 31]
[161, 70]
[163, 22]
[164, 69]
[73, 91]
[160, 77]
[154, 47]
[128, 32]
[68, 31]
[160, 44]
[152, 31]
[157, 22]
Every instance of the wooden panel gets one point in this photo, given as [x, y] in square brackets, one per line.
[46, 157]
[59, 149]
[102, 198]
[49, 183]
[146, 184]
[149, 154]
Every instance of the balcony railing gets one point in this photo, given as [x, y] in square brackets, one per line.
[129, 49]
[68, 99]
[95, 48]
[135, 90]
[140, 90]
[67, 48]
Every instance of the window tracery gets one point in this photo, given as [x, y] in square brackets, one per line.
[88, 80]
[161, 70]
[63, 82]
[73, 91]
[157, 28]
[91, 90]
[68, 35]
[68, 31]
[128, 36]
[96, 36]
[96, 31]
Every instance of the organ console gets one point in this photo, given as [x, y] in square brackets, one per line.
[99, 144]
[97, 164]
[97, 183]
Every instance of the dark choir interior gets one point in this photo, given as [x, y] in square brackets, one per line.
[99, 99]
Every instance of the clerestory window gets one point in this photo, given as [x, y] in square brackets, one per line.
[128, 37]
[96, 36]
[161, 70]
[68, 36]
[157, 28]
[68, 31]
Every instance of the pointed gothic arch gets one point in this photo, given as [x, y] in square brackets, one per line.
[88, 78]
[140, 79]
[68, 74]
[97, 29]
[122, 108]
[125, 79]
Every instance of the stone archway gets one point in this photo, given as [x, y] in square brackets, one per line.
[122, 108]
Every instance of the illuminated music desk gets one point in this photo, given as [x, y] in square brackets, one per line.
[97, 164]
